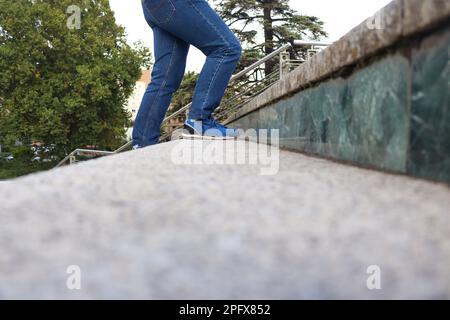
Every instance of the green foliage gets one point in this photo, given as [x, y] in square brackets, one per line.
[22, 154]
[273, 17]
[60, 85]
[22, 163]
[273, 21]
[13, 169]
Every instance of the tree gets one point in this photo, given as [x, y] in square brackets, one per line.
[185, 93]
[65, 78]
[272, 20]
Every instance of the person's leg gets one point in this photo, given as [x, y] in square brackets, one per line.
[197, 23]
[168, 71]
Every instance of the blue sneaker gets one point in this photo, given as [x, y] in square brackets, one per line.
[208, 129]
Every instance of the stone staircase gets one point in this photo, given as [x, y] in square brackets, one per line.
[140, 225]
[152, 224]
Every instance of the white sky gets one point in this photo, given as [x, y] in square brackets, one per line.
[339, 16]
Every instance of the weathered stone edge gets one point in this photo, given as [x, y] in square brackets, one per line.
[399, 19]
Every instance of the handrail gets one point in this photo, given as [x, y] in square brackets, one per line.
[124, 147]
[260, 62]
[284, 48]
[236, 77]
[302, 43]
[66, 158]
[76, 151]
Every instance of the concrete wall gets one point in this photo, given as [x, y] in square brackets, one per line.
[377, 98]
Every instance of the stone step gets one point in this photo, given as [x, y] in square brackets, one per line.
[143, 225]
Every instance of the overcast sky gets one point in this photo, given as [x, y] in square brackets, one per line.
[339, 17]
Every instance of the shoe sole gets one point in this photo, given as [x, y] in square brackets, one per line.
[209, 138]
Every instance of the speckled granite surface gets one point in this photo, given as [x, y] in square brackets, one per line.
[140, 226]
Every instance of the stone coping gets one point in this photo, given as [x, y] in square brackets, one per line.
[399, 19]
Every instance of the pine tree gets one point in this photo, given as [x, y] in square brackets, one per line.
[273, 21]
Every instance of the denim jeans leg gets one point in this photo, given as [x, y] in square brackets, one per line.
[222, 57]
[195, 22]
[168, 70]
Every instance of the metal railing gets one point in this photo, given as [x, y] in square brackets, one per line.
[71, 158]
[243, 87]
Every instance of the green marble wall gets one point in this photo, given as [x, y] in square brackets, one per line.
[430, 109]
[392, 115]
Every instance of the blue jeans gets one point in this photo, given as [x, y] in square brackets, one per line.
[176, 25]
